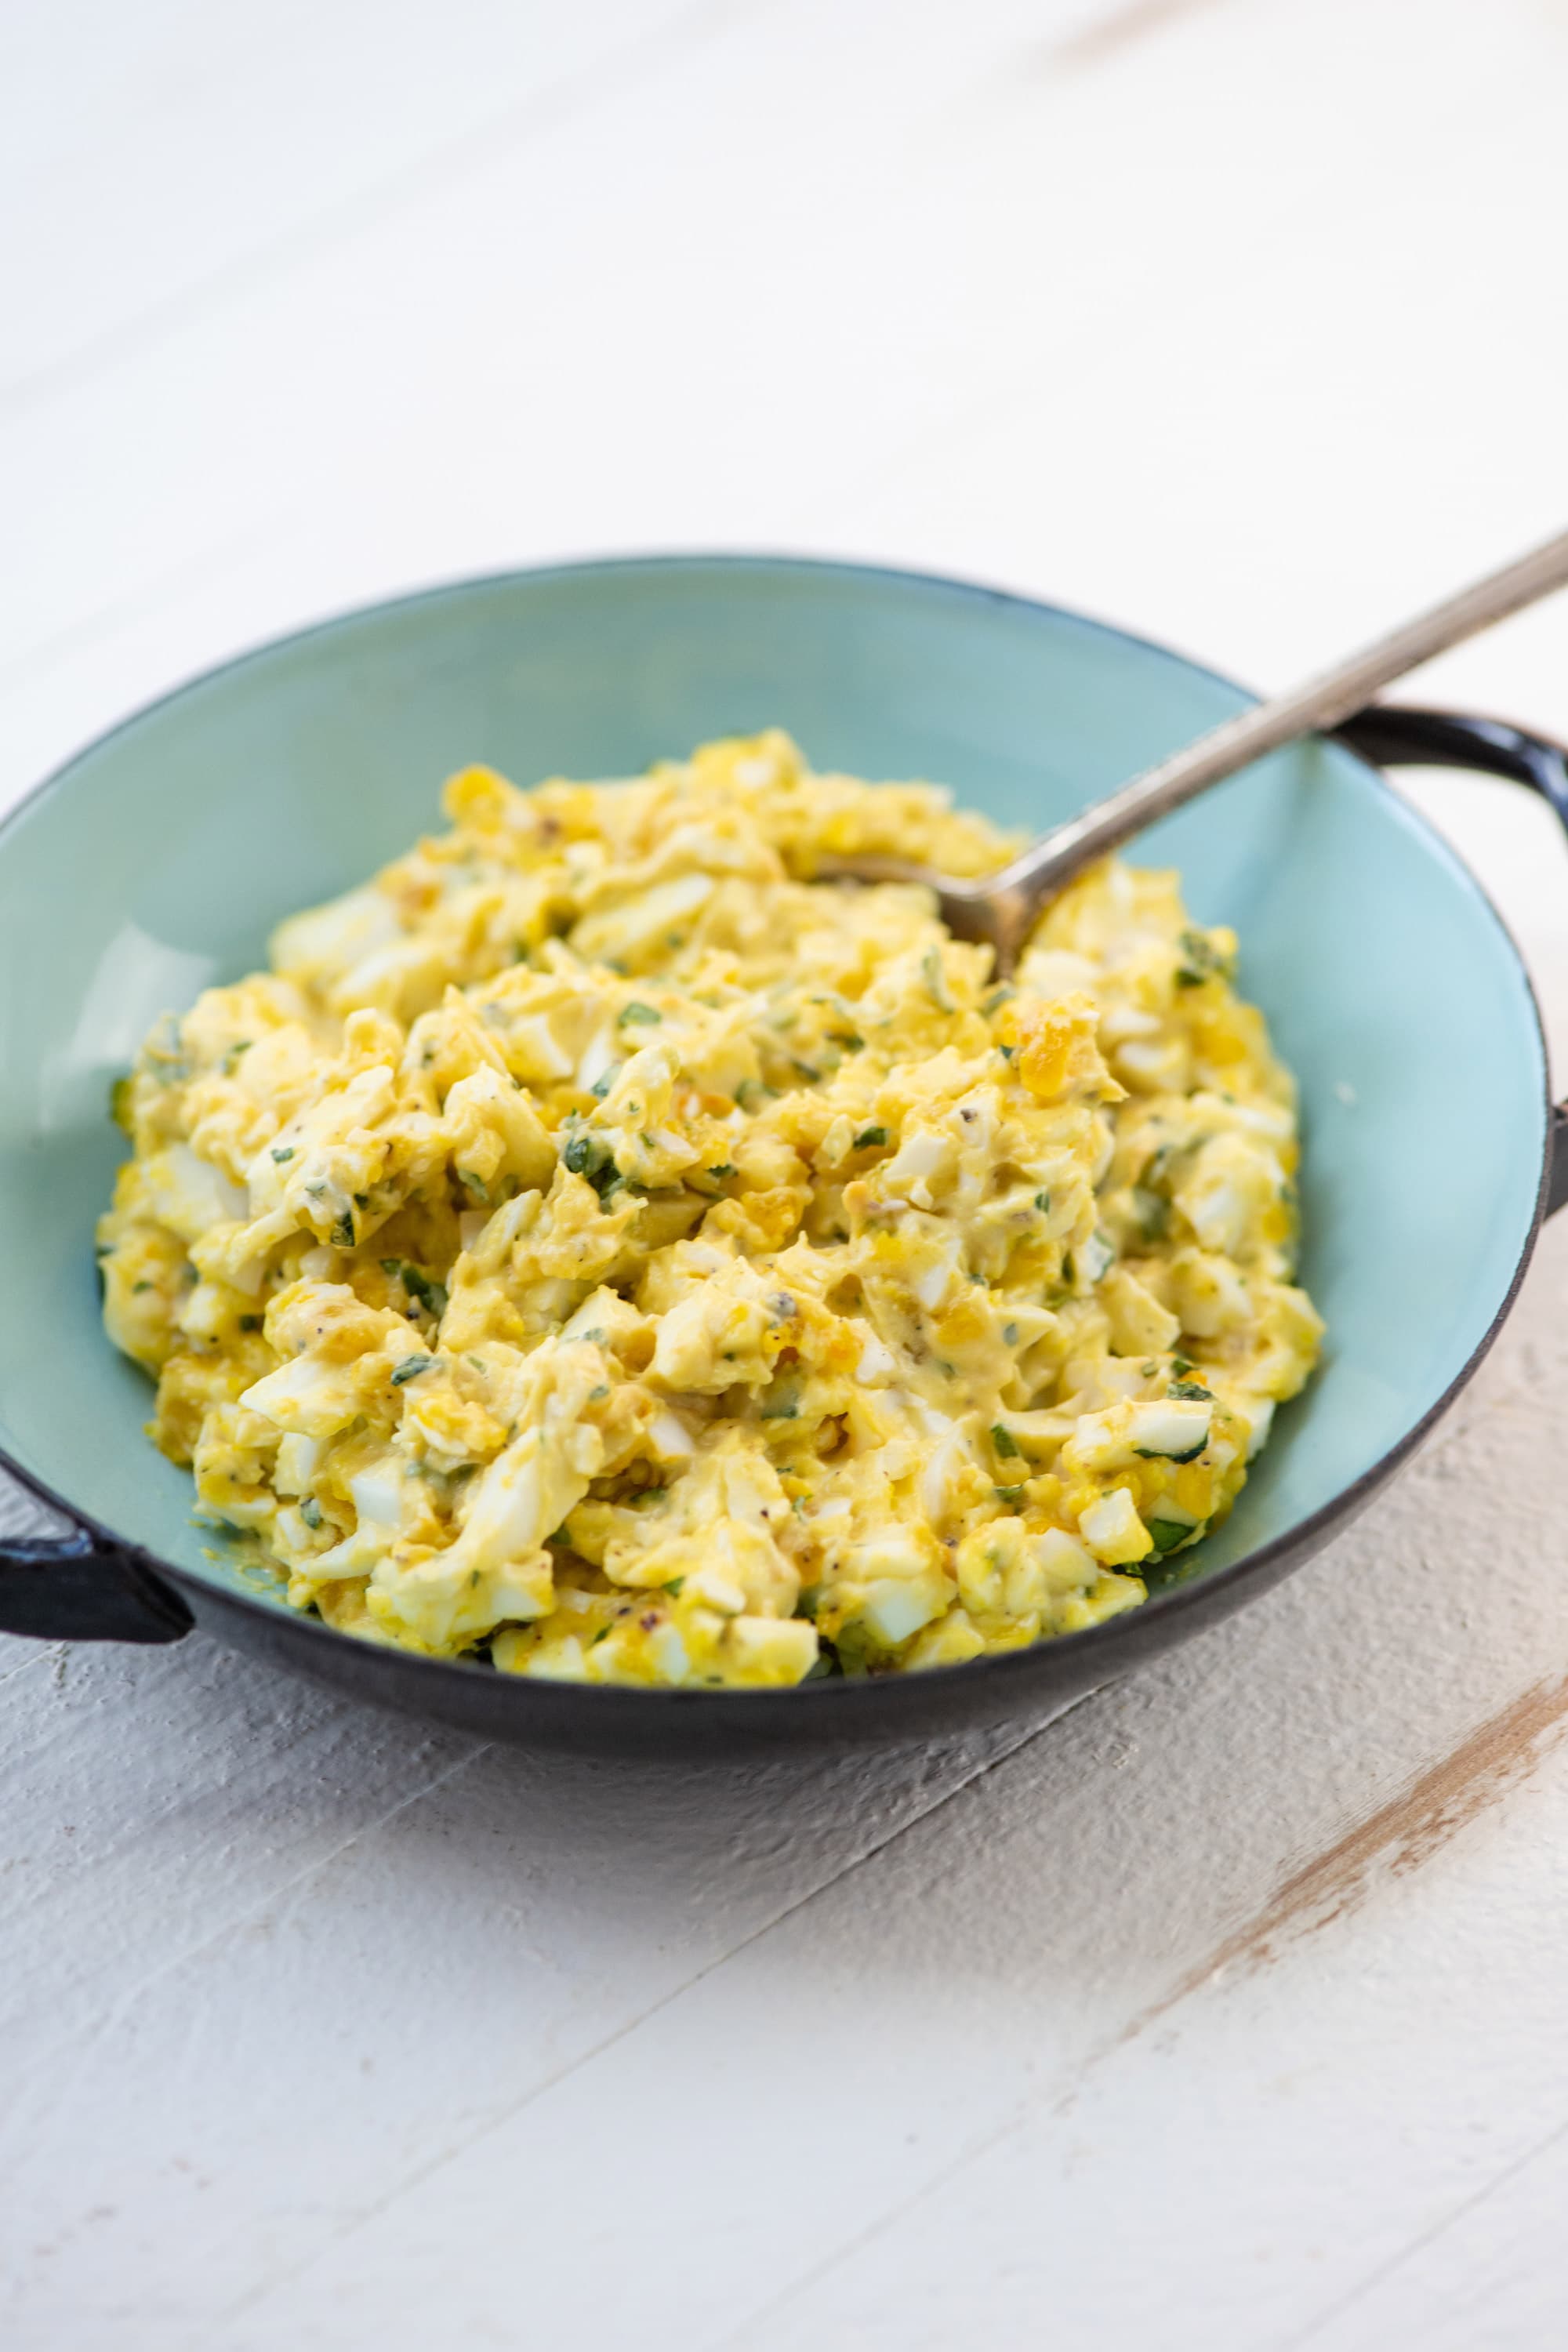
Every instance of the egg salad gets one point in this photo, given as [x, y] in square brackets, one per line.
[598, 1244]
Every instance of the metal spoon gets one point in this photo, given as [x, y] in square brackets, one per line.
[1001, 908]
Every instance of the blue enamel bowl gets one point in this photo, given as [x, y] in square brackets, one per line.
[157, 862]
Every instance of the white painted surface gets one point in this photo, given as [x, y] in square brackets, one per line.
[1238, 321]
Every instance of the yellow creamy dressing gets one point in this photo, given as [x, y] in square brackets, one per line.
[596, 1239]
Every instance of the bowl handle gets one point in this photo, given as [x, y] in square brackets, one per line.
[1391, 736]
[79, 1587]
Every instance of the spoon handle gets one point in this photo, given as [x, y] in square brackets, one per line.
[1320, 703]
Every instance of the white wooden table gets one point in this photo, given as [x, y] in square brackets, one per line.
[1226, 2011]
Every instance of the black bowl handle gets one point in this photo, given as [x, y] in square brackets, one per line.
[1392, 737]
[82, 1588]
[79, 1587]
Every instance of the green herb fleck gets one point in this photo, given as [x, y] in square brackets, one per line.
[870, 1138]
[725, 1168]
[636, 1013]
[343, 1231]
[586, 1156]
[1043, 1202]
[1007, 1494]
[936, 981]
[286, 1153]
[674, 1587]
[601, 1635]
[311, 1511]
[1168, 1533]
[422, 1288]
[1191, 1391]
[231, 1059]
[1200, 960]
[137, 1288]
[475, 1184]
[410, 1369]
[1004, 1442]
[1152, 1214]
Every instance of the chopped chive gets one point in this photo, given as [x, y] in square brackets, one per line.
[311, 1511]
[936, 981]
[674, 1587]
[343, 1231]
[637, 1013]
[1154, 1214]
[422, 1288]
[410, 1369]
[869, 1138]
[1004, 1442]
[286, 1153]
[1200, 960]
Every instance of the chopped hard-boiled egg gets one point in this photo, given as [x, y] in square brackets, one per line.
[599, 1242]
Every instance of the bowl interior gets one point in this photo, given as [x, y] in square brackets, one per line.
[160, 859]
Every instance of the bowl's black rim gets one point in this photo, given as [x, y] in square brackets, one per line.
[1118, 1640]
